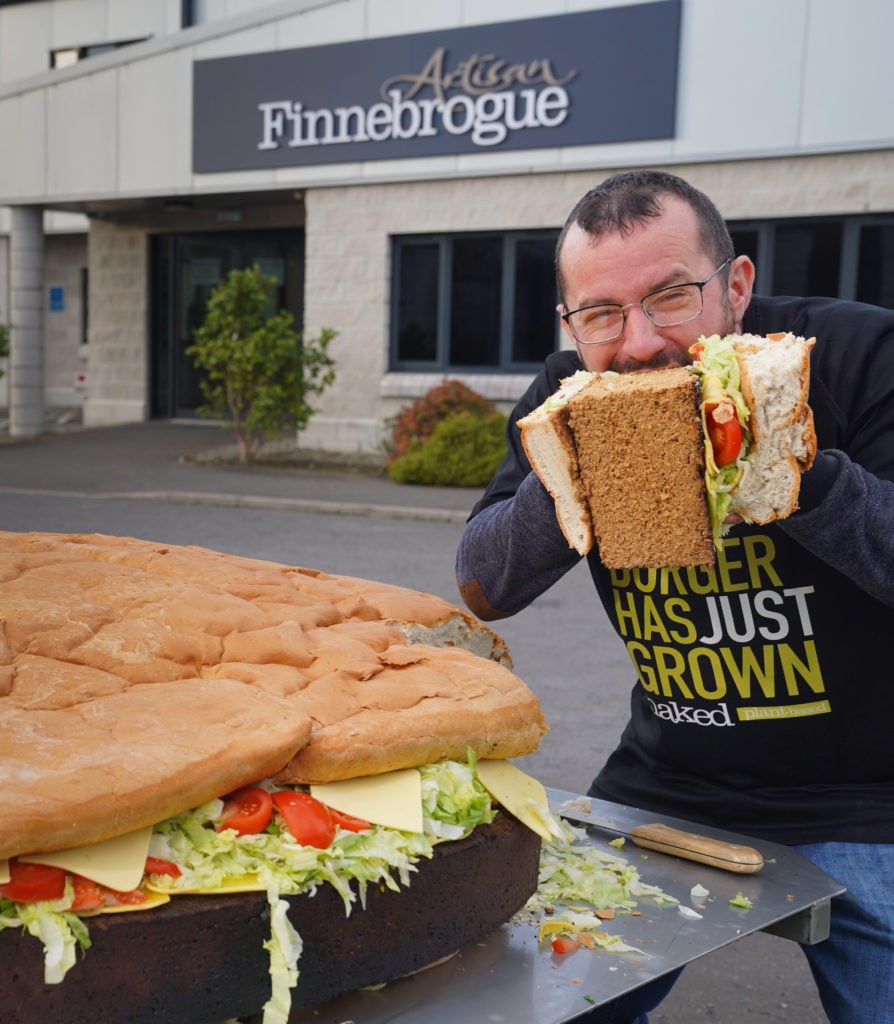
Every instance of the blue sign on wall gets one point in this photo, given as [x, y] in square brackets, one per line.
[602, 76]
[57, 299]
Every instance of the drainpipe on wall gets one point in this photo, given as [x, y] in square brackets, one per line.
[26, 339]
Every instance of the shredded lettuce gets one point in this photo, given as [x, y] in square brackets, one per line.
[60, 931]
[572, 870]
[453, 800]
[719, 369]
[284, 947]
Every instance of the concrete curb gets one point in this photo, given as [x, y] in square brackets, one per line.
[370, 510]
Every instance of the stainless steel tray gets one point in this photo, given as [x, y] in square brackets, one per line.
[508, 977]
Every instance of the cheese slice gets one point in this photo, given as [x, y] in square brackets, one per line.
[249, 883]
[117, 863]
[393, 799]
[521, 795]
[4, 872]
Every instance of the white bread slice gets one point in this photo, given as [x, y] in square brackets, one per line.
[549, 444]
[775, 373]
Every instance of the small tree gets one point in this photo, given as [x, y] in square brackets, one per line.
[259, 372]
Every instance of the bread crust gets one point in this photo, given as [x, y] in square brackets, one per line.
[549, 443]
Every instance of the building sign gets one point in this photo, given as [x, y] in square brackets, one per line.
[601, 76]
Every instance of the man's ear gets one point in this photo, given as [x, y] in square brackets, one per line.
[741, 283]
[560, 309]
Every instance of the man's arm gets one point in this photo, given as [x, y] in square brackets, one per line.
[846, 515]
[512, 549]
[847, 520]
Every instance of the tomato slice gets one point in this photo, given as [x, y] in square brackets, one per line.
[132, 897]
[88, 895]
[247, 811]
[309, 821]
[562, 944]
[157, 866]
[31, 883]
[725, 434]
[348, 821]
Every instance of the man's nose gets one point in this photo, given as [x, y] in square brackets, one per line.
[642, 339]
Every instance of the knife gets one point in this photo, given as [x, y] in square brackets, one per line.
[717, 853]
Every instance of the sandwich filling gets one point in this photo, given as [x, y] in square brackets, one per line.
[725, 424]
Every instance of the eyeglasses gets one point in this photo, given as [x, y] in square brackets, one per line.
[665, 307]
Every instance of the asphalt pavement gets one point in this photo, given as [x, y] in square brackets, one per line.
[756, 980]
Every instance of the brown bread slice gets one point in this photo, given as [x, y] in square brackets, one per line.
[642, 461]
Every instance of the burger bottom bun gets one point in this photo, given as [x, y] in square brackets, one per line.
[201, 958]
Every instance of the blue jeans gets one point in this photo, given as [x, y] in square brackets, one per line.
[853, 968]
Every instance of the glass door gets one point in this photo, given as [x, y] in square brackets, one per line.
[185, 270]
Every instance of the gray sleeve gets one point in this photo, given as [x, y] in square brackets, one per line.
[851, 526]
[512, 552]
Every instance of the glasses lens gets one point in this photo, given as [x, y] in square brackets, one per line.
[674, 305]
[596, 324]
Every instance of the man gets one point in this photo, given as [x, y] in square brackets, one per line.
[785, 648]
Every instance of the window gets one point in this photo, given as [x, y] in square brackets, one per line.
[841, 257]
[68, 55]
[475, 302]
[875, 265]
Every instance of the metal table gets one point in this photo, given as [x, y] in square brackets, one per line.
[508, 977]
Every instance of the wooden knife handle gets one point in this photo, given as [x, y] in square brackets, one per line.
[691, 846]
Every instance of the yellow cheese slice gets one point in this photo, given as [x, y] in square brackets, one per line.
[4, 872]
[250, 883]
[117, 863]
[520, 794]
[393, 799]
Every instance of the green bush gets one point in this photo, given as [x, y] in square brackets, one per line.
[464, 450]
[414, 424]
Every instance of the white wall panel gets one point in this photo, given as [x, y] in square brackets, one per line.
[24, 40]
[23, 131]
[82, 132]
[78, 23]
[155, 123]
[740, 82]
[849, 73]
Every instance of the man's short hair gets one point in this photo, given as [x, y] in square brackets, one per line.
[628, 199]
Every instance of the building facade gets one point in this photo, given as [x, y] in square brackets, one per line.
[402, 170]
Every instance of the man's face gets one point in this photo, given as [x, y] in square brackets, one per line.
[623, 268]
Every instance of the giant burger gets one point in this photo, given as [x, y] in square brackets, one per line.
[260, 758]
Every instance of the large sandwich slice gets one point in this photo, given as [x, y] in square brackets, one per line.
[217, 722]
[651, 466]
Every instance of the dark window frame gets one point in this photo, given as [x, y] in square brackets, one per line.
[849, 254]
[444, 241]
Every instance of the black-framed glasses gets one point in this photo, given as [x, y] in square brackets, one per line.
[665, 307]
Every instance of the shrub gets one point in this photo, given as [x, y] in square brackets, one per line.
[414, 424]
[259, 373]
[464, 450]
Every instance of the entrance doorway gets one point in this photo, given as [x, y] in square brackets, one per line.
[185, 269]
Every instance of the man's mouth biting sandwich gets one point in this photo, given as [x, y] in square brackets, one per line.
[649, 466]
[290, 745]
